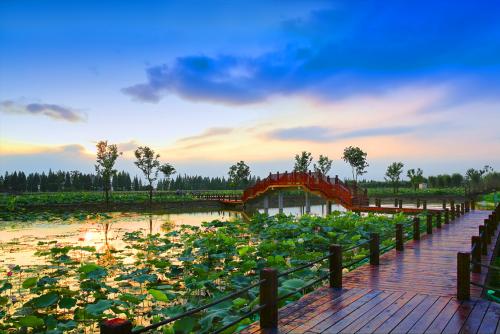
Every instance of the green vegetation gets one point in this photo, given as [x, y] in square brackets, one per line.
[356, 158]
[161, 275]
[429, 192]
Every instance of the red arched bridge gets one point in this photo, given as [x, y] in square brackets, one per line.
[332, 190]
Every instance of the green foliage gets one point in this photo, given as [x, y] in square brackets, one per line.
[393, 174]
[356, 158]
[302, 162]
[239, 174]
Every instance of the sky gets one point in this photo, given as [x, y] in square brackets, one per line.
[209, 83]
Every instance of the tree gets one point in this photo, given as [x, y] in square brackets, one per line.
[105, 162]
[239, 174]
[415, 177]
[457, 180]
[168, 170]
[147, 161]
[393, 174]
[355, 157]
[324, 165]
[302, 162]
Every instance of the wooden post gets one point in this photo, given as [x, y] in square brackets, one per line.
[452, 213]
[473, 204]
[463, 275]
[335, 263]
[429, 223]
[444, 204]
[379, 202]
[399, 237]
[457, 210]
[467, 206]
[484, 240]
[400, 203]
[462, 208]
[374, 249]
[269, 298]
[424, 205]
[476, 254]
[446, 216]
[438, 220]
[416, 228]
[418, 203]
[115, 326]
[395, 202]
[487, 230]
[328, 207]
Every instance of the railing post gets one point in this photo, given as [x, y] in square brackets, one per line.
[418, 203]
[484, 240]
[446, 216]
[335, 263]
[462, 208]
[457, 210]
[438, 220]
[463, 275]
[416, 228]
[452, 212]
[399, 237]
[487, 229]
[400, 203]
[476, 254]
[115, 326]
[473, 205]
[444, 204]
[424, 204]
[374, 249]
[395, 202]
[269, 298]
[429, 223]
[467, 206]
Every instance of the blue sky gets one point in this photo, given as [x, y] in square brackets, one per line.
[209, 83]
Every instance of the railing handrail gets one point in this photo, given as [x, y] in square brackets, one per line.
[198, 309]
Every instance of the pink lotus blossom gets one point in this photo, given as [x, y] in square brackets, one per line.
[9, 273]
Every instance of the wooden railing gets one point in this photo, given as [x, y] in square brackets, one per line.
[471, 262]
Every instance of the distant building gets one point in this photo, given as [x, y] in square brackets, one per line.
[422, 186]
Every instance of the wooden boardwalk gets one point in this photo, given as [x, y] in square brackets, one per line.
[411, 291]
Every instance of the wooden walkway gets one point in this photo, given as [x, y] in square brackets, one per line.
[411, 291]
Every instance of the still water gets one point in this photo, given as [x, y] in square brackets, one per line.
[18, 240]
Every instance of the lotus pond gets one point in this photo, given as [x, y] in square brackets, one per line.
[66, 275]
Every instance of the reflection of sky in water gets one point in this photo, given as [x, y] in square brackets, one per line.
[18, 240]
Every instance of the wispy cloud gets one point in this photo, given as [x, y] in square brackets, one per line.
[324, 134]
[53, 111]
[209, 133]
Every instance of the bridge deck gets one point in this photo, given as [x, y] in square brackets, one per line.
[412, 291]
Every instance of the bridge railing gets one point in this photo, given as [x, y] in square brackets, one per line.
[314, 181]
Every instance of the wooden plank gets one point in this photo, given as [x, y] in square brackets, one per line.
[372, 313]
[458, 319]
[438, 325]
[325, 319]
[330, 307]
[357, 313]
[491, 319]
[391, 310]
[429, 316]
[475, 318]
[417, 313]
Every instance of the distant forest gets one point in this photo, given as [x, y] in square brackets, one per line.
[53, 181]
[19, 181]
